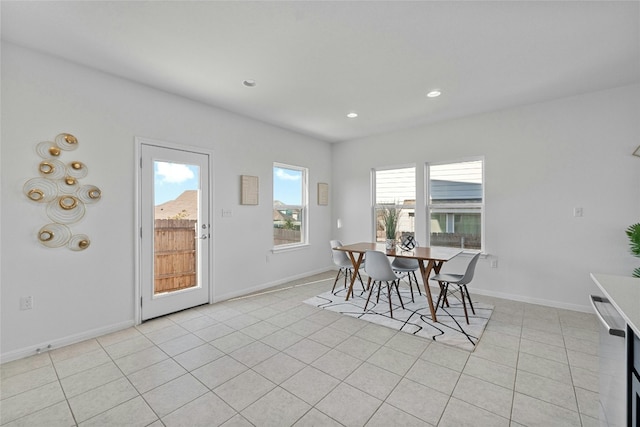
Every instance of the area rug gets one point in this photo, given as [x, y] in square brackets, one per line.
[451, 328]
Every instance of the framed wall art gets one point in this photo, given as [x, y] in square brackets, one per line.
[249, 190]
[323, 193]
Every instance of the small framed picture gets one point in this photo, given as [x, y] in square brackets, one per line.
[323, 193]
[249, 190]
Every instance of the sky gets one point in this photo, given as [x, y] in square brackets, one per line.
[287, 185]
[172, 179]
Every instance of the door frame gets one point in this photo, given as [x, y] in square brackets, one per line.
[139, 142]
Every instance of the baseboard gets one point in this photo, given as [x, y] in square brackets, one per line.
[62, 342]
[539, 301]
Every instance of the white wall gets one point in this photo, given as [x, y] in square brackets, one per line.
[82, 294]
[541, 161]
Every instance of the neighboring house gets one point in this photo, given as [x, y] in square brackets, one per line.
[454, 191]
[281, 216]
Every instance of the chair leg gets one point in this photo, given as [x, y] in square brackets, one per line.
[410, 286]
[464, 305]
[397, 282]
[369, 283]
[370, 292]
[466, 291]
[445, 299]
[378, 297]
[439, 298]
[361, 282]
[443, 294]
[336, 281]
[389, 296]
[415, 280]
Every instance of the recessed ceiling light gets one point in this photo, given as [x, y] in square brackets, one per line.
[352, 115]
[434, 93]
[249, 83]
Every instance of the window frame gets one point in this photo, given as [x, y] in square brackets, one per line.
[478, 205]
[375, 206]
[304, 207]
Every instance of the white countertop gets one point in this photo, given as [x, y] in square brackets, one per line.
[624, 293]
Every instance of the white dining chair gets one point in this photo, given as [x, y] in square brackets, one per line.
[460, 281]
[379, 270]
[343, 262]
[407, 267]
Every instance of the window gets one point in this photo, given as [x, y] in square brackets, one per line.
[455, 204]
[394, 189]
[289, 205]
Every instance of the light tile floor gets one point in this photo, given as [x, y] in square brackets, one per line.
[271, 360]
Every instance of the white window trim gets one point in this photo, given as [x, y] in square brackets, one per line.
[428, 205]
[304, 227]
[374, 205]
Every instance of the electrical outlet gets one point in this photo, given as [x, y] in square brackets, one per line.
[578, 212]
[494, 263]
[26, 303]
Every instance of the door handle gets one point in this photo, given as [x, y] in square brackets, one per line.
[612, 331]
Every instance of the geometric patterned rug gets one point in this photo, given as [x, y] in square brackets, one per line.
[451, 328]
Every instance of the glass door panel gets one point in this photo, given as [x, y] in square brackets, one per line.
[176, 213]
[175, 230]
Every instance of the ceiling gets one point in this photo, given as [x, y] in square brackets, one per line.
[316, 61]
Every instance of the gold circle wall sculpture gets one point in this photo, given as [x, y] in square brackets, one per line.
[59, 187]
[47, 149]
[54, 235]
[79, 242]
[41, 189]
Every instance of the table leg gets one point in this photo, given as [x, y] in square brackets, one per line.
[356, 268]
[426, 271]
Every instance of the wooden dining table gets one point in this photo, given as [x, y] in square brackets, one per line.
[429, 259]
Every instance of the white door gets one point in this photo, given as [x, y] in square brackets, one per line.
[175, 231]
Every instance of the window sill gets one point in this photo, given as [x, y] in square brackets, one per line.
[289, 248]
[468, 252]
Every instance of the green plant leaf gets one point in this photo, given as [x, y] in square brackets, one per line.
[633, 232]
[390, 217]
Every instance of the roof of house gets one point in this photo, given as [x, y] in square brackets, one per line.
[455, 190]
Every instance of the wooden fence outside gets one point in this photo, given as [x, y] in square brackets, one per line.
[455, 240]
[282, 236]
[175, 255]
